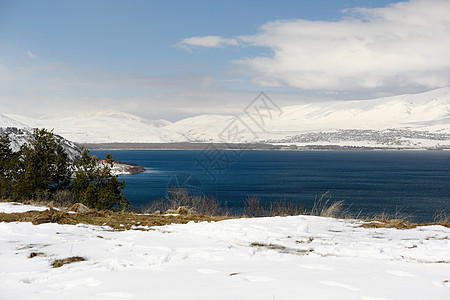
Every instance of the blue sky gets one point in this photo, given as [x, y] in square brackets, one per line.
[174, 59]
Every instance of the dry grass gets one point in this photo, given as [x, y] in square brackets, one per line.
[442, 218]
[385, 220]
[393, 223]
[285, 208]
[402, 221]
[61, 262]
[180, 197]
[281, 248]
[254, 208]
[210, 211]
[269, 246]
[324, 207]
[115, 220]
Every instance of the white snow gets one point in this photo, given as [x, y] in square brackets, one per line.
[301, 257]
[15, 207]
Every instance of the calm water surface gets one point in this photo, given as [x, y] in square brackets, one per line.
[412, 182]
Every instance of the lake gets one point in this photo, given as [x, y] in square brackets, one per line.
[410, 182]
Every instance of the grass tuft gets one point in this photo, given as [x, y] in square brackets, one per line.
[323, 207]
[393, 223]
[193, 204]
[442, 218]
[254, 208]
[398, 220]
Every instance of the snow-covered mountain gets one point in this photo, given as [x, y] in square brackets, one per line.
[6, 122]
[408, 121]
[117, 127]
[20, 134]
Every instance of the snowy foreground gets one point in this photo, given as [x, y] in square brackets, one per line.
[299, 257]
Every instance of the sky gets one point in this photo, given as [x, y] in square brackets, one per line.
[176, 59]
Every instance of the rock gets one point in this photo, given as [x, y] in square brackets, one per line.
[120, 168]
[183, 210]
[80, 208]
[135, 169]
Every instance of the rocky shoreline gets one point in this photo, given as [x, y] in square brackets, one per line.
[121, 168]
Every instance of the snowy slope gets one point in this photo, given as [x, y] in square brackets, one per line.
[6, 122]
[19, 134]
[417, 111]
[299, 257]
[428, 112]
[199, 128]
[425, 117]
[117, 127]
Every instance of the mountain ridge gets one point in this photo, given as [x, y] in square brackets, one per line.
[417, 120]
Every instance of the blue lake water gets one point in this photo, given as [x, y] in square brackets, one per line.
[412, 182]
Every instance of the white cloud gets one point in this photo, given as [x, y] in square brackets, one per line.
[59, 89]
[31, 55]
[56, 89]
[404, 45]
[210, 41]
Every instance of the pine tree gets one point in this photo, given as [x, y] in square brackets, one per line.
[95, 186]
[44, 167]
[8, 166]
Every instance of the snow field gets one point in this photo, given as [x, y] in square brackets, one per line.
[300, 257]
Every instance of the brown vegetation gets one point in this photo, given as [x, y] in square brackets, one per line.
[181, 207]
[254, 208]
[115, 220]
[402, 221]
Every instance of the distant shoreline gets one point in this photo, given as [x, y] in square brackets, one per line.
[226, 146]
